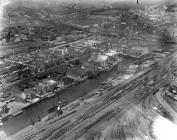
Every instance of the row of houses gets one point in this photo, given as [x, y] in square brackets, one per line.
[133, 51]
[43, 88]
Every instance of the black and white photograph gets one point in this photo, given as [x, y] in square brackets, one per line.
[88, 69]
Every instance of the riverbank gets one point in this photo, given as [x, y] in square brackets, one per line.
[77, 105]
[41, 108]
[16, 110]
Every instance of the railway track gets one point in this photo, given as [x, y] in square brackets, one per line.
[109, 99]
[93, 111]
[111, 114]
[107, 116]
[135, 82]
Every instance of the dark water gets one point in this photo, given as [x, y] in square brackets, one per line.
[40, 109]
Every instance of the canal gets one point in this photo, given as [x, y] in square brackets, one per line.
[40, 110]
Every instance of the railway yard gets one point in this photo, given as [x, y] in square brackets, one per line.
[99, 109]
[88, 72]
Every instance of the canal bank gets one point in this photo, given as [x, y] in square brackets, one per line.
[40, 109]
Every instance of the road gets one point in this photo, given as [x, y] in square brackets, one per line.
[159, 96]
[120, 105]
[70, 94]
[102, 107]
[24, 46]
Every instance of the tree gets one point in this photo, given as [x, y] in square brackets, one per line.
[77, 62]
[66, 57]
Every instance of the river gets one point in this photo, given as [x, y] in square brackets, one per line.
[15, 124]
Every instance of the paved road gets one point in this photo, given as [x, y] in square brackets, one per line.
[85, 119]
[160, 94]
[102, 107]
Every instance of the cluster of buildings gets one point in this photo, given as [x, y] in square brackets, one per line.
[44, 31]
[160, 18]
[135, 52]
[3, 108]
[12, 70]
[154, 13]
[14, 35]
[172, 92]
[74, 61]
[45, 88]
[54, 68]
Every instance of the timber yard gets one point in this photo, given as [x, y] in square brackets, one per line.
[102, 71]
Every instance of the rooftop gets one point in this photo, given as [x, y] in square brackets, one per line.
[111, 53]
[102, 58]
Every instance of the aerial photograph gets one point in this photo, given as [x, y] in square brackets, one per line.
[88, 69]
